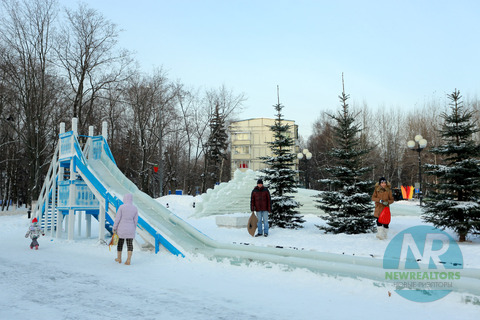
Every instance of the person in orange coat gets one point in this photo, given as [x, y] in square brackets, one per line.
[383, 197]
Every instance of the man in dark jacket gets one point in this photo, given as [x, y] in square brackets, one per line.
[261, 203]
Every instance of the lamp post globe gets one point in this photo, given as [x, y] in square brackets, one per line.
[418, 145]
[422, 143]
[305, 155]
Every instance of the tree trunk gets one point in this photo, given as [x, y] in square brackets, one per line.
[220, 174]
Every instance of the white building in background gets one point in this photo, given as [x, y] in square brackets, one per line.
[249, 142]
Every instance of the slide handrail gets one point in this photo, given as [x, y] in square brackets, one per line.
[100, 188]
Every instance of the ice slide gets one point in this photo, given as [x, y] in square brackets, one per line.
[158, 226]
[180, 238]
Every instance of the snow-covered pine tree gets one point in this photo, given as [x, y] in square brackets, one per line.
[348, 204]
[281, 177]
[217, 145]
[454, 201]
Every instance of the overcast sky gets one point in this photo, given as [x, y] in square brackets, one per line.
[394, 54]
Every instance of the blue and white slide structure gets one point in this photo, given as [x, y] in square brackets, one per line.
[95, 186]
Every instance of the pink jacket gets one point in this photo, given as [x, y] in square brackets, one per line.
[126, 218]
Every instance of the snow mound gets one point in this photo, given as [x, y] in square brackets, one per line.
[234, 196]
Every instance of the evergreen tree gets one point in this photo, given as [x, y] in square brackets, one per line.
[281, 177]
[348, 204]
[217, 146]
[454, 201]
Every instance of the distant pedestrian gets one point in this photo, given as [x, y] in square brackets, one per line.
[383, 198]
[261, 202]
[34, 231]
[125, 226]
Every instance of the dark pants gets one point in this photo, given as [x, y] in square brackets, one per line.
[129, 244]
[384, 225]
[34, 243]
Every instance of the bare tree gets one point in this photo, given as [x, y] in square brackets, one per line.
[368, 136]
[228, 104]
[319, 144]
[152, 124]
[389, 136]
[141, 99]
[87, 52]
[167, 120]
[425, 121]
[190, 108]
[113, 110]
[474, 105]
[26, 34]
[8, 142]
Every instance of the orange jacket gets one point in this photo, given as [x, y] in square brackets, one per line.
[384, 194]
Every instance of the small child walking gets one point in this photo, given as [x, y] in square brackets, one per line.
[34, 231]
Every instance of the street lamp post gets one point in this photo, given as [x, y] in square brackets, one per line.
[160, 160]
[412, 145]
[305, 155]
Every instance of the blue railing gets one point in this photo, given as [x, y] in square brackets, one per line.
[107, 150]
[159, 239]
[99, 145]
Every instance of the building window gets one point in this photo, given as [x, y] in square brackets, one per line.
[241, 149]
[239, 136]
[243, 164]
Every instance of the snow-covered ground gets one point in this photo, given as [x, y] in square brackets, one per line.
[79, 279]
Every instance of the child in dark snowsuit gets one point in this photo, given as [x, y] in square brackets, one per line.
[34, 231]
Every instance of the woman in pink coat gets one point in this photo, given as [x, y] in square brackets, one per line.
[125, 226]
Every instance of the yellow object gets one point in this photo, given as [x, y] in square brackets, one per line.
[410, 196]
[114, 241]
[407, 192]
[404, 192]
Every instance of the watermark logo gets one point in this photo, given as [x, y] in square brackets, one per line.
[423, 263]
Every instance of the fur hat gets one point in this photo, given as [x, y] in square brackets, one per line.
[259, 181]
[382, 179]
